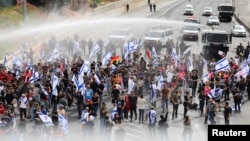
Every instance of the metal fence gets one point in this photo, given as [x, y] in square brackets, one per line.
[6, 3]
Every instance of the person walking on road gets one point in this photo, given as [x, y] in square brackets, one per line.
[141, 105]
[133, 105]
[227, 113]
[150, 7]
[151, 117]
[154, 6]
[127, 7]
[175, 101]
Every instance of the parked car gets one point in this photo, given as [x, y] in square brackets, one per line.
[239, 31]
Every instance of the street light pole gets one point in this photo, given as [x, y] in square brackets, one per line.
[24, 10]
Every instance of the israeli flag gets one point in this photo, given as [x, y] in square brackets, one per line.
[75, 81]
[222, 65]
[17, 61]
[63, 124]
[106, 58]
[187, 50]
[45, 119]
[5, 61]
[94, 50]
[84, 69]
[174, 55]
[97, 79]
[205, 78]
[114, 111]
[55, 54]
[243, 72]
[55, 82]
[215, 93]
[81, 85]
[130, 46]
[43, 90]
[34, 77]
[154, 53]
[160, 82]
[248, 59]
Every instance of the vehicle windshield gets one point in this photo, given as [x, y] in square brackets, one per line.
[191, 20]
[239, 28]
[119, 32]
[226, 8]
[189, 8]
[155, 34]
[213, 18]
[208, 8]
[211, 37]
[194, 28]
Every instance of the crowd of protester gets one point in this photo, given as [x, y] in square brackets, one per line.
[127, 81]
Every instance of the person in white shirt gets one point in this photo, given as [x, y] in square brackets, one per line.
[23, 104]
[141, 105]
[151, 117]
[131, 84]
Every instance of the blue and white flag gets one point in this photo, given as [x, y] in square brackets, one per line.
[97, 79]
[81, 84]
[63, 124]
[205, 78]
[43, 90]
[17, 61]
[160, 82]
[154, 53]
[175, 55]
[55, 82]
[84, 69]
[55, 54]
[94, 50]
[45, 119]
[35, 76]
[243, 72]
[187, 50]
[5, 61]
[248, 59]
[75, 81]
[222, 65]
[215, 93]
[114, 111]
[106, 58]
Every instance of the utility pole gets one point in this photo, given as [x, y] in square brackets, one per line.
[24, 10]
